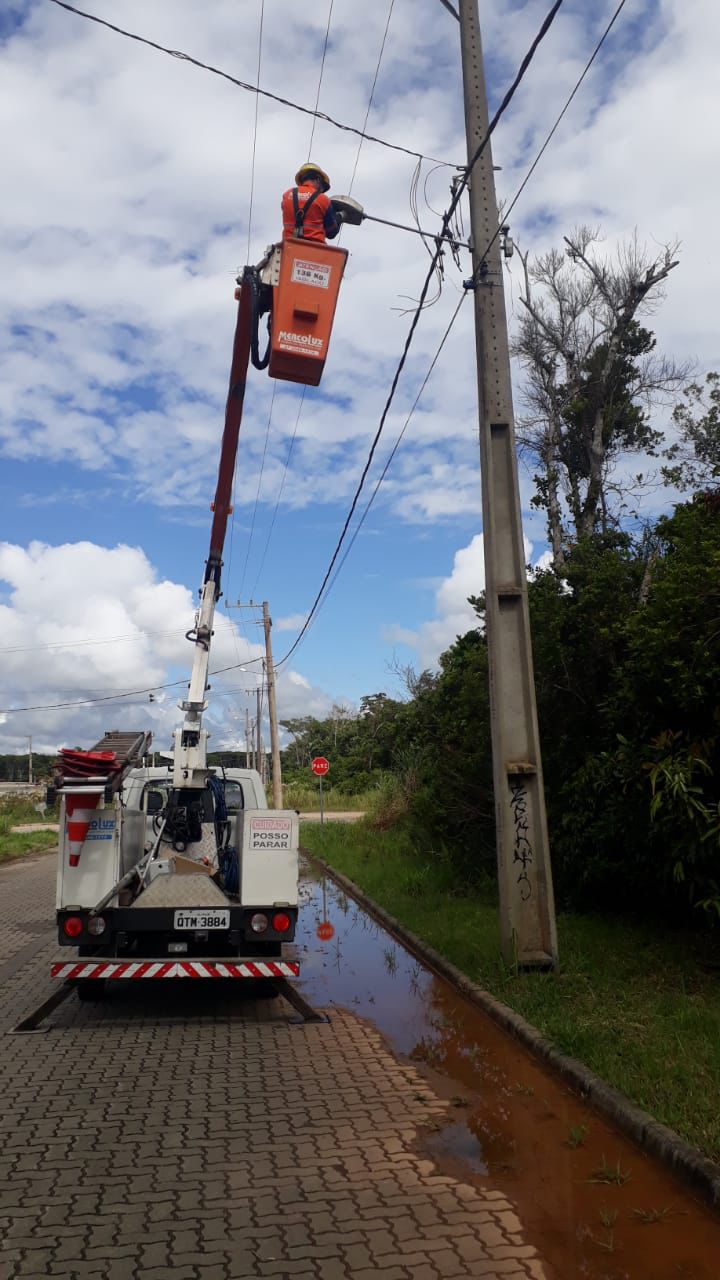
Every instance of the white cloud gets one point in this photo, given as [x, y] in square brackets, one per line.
[454, 615]
[126, 178]
[81, 621]
[292, 622]
[126, 199]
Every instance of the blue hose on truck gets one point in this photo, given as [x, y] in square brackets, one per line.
[227, 857]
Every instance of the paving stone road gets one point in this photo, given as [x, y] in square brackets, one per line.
[181, 1131]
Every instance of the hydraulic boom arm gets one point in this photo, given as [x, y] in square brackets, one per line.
[190, 754]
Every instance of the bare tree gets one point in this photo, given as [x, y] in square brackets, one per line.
[592, 374]
[340, 714]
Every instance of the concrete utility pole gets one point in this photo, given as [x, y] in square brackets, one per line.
[259, 758]
[272, 712]
[527, 909]
[30, 775]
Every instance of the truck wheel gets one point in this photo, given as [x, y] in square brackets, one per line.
[91, 989]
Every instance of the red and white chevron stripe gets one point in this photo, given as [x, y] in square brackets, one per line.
[176, 969]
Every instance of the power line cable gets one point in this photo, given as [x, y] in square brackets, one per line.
[280, 492]
[459, 189]
[241, 84]
[129, 638]
[322, 69]
[129, 693]
[255, 127]
[247, 662]
[515, 199]
[512, 205]
[259, 485]
[394, 449]
[372, 94]
[556, 126]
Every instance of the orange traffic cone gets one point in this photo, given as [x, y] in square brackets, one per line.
[77, 821]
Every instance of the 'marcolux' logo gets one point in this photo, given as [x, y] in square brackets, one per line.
[302, 339]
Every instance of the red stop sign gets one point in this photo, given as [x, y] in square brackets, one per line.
[325, 931]
[320, 766]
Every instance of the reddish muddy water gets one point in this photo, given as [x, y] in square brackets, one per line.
[591, 1203]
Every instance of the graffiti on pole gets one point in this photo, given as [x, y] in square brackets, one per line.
[522, 848]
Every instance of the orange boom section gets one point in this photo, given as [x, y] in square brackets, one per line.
[304, 309]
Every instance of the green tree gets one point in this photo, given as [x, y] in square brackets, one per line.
[695, 456]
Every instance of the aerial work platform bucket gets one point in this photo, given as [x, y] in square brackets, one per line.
[303, 309]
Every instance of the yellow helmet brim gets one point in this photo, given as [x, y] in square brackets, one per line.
[306, 170]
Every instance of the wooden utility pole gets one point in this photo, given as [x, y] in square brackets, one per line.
[248, 764]
[527, 910]
[272, 712]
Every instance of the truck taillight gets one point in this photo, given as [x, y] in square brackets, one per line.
[72, 927]
[258, 922]
[96, 926]
[281, 922]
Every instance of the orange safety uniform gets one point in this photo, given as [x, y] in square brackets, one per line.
[316, 220]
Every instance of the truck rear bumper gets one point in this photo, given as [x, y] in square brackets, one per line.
[134, 922]
[83, 970]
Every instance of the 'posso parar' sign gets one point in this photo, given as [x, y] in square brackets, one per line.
[270, 833]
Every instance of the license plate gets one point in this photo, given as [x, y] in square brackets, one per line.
[202, 920]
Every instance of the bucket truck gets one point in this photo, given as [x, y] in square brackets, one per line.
[181, 872]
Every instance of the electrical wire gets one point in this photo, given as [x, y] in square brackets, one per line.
[259, 485]
[460, 187]
[438, 262]
[280, 493]
[556, 126]
[516, 197]
[241, 84]
[428, 176]
[255, 127]
[129, 693]
[322, 69]
[394, 450]
[372, 95]
[316, 606]
[514, 201]
[76, 644]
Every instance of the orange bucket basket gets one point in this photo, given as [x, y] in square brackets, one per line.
[304, 309]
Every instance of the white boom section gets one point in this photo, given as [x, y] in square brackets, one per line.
[190, 753]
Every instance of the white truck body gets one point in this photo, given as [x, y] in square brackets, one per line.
[180, 902]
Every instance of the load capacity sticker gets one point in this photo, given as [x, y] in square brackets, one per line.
[270, 833]
[314, 273]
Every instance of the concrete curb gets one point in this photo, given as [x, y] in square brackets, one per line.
[686, 1162]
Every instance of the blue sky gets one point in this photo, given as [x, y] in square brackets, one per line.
[126, 216]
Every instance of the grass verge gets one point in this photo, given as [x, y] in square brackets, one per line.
[635, 1002]
[307, 799]
[15, 810]
[15, 844]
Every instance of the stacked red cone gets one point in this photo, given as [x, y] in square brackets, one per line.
[77, 822]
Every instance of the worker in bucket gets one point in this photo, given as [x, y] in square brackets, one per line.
[307, 212]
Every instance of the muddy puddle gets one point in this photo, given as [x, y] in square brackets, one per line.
[592, 1204]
